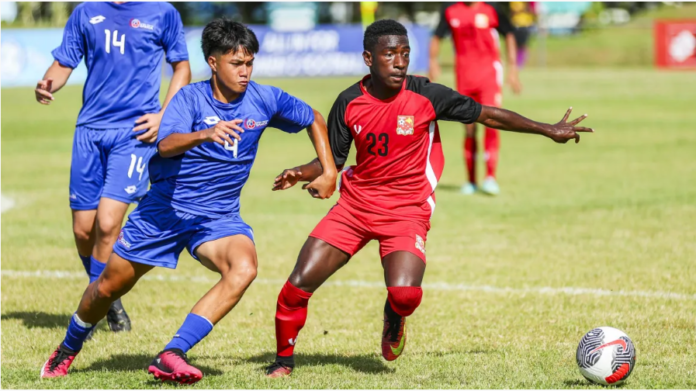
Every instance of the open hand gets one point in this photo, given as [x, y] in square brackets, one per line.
[287, 179]
[151, 122]
[564, 131]
[224, 131]
[43, 91]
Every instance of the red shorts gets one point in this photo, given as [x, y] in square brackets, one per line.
[350, 230]
[485, 87]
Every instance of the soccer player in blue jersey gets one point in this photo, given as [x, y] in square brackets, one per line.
[123, 45]
[207, 144]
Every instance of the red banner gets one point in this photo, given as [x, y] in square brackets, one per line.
[675, 44]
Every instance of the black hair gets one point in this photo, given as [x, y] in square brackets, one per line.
[223, 35]
[381, 28]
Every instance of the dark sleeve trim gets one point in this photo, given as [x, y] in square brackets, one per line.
[340, 136]
[504, 25]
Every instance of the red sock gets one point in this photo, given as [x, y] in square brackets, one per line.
[470, 157]
[291, 314]
[492, 145]
[404, 299]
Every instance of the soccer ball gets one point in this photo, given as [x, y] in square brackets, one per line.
[606, 356]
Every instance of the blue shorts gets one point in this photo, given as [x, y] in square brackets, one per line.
[156, 233]
[109, 163]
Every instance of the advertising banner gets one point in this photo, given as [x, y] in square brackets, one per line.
[325, 50]
[675, 44]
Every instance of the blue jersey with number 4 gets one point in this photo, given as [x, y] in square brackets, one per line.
[123, 46]
[208, 179]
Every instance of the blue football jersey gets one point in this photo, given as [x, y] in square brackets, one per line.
[208, 179]
[123, 46]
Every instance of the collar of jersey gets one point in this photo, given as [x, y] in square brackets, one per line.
[124, 6]
[222, 105]
[393, 98]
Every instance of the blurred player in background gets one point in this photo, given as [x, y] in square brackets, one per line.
[123, 45]
[207, 145]
[522, 16]
[479, 73]
[389, 195]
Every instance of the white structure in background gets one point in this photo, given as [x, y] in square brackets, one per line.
[8, 11]
[6, 203]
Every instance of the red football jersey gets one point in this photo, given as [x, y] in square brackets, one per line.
[399, 156]
[474, 30]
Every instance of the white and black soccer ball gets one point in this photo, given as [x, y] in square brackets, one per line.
[606, 356]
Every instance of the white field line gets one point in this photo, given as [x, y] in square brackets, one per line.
[437, 286]
[6, 203]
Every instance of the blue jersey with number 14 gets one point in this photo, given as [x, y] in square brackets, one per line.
[208, 179]
[123, 46]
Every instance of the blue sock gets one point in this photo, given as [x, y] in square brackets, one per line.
[95, 269]
[194, 329]
[86, 261]
[76, 334]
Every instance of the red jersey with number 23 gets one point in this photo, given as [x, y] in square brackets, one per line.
[399, 156]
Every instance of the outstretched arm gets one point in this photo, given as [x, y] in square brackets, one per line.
[321, 172]
[55, 78]
[560, 132]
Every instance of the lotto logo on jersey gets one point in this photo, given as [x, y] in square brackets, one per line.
[136, 24]
[404, 125]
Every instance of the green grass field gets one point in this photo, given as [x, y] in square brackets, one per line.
[607, 226]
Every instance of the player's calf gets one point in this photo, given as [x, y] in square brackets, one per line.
[401, 302]
[291, 315]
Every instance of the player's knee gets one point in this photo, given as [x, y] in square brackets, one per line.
[247, 273]
[404, 299]
[293, 297]
[108, 226]
[241, 273]
[82, 234]
[299, 279]
[105, 290]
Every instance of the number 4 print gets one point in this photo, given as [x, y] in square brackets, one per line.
[117, 44]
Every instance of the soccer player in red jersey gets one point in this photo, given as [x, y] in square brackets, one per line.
[474, 28]
[389, 194]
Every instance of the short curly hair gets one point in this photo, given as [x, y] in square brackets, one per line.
[224, 35]
[381, 28]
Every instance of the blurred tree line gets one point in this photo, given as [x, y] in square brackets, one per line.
[55, 14]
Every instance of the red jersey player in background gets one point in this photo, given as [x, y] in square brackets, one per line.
[474, 28]
[389, 194]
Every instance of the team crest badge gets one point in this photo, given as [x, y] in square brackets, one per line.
[481, 21]
[404, 125]
[420, 243]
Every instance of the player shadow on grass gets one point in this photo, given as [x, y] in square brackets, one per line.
[449, 187]
[364, 363]
[136, 362]
[37, 319]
